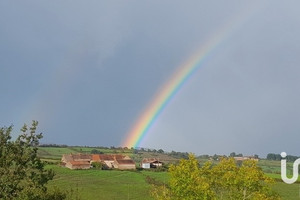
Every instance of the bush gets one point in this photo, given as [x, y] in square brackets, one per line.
[96, 151]
[97, 165]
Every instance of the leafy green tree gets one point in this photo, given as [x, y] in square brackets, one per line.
[22, 173]
[271, 156]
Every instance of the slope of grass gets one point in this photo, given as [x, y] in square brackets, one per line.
[120, 185]
[104, 184]
[287, 191]
[54, 153]
[113, 184]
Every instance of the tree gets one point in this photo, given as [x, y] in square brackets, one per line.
[271, 156]
[289, 158]
[160, 151]
[232, 154]
[252, 183]
[186, 182]
[22, 173]
[215, 157]
[225, 180]
[97, 165]
[96, 151]
[245, 182]
[135, 151]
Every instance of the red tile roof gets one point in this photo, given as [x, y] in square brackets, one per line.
[104, 157]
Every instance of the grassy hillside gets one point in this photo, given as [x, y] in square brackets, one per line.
[105, 184]
[114, 184]
[56, 153]
[120, 185]
[288, 192]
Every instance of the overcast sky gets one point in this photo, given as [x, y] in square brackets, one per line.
[87, 69]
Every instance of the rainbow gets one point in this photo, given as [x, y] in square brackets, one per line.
[179, 78]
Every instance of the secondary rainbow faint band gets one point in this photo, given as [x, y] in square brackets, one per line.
[143, 124]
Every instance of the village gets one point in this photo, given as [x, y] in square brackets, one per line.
[117, 161]
[107, 161]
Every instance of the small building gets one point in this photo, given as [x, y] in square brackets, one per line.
[148, 163]
[242, 158]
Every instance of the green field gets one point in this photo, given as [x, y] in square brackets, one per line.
[113, 184]
[55, 153]
[122, 185]
[105, 184]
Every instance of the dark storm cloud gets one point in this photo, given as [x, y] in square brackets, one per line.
[87, 70]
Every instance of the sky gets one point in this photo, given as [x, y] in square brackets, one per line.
[87, 70]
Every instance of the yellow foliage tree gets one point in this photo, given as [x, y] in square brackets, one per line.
[225, 180]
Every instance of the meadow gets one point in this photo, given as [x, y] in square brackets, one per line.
[121, 185]
[104, 184]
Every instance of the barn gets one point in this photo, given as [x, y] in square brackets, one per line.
[148, 163]
[76, 161]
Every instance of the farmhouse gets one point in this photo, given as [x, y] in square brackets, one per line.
[114, 161]
[76, 161]
[148, 163]
[84, 161]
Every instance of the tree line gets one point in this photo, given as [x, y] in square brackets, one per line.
[289, 158]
